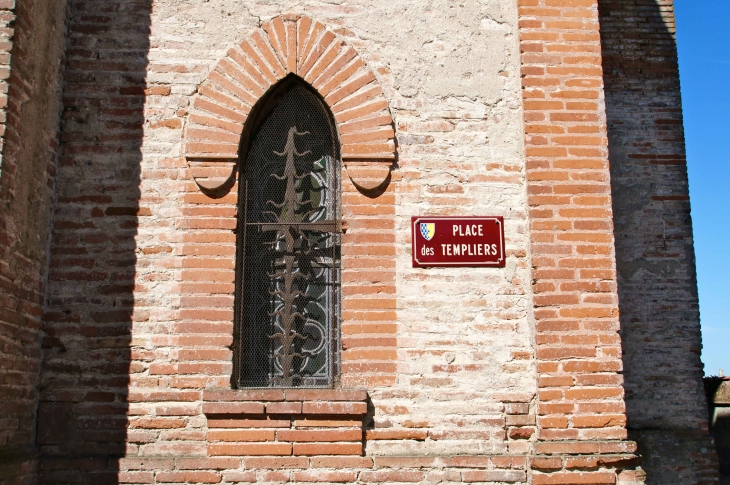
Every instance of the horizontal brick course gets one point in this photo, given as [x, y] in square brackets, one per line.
[234, 408]
[330, 435]
[237, 428]
[249, 449]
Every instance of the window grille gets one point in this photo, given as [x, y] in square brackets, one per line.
[288, 245]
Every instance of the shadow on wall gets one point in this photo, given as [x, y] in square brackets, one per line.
[657, 287]
[717, 390]
[82, 417]
[31, 105]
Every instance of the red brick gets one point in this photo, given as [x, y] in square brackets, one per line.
[273, 476]
[233, 408]
[593, 478]
[567, 448]
[249, 449]
[334, 408]
[342, 462]
[397, 434]
[305, 422]
[248, 423]
[284, 407]
[469, 461]
[157, 423]
[238, 476]
[327, 449]
[207, 463]
[279, 462]
[407, 476]
[326, 395]
[319, 435]
[593, 393]
[599, 421]
[405, 462]
[242, 435]
[545, 463]
[188, 476]
[521, 433]
[342, 476]
[506, 476]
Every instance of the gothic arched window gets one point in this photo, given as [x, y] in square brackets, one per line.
[288, 243]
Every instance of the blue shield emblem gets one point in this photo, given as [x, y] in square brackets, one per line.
[428, 230]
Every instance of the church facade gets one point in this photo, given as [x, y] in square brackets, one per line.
[214, 222]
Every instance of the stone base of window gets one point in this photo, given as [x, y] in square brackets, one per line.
[285, 422]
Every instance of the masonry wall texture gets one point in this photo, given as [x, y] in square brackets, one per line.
[32, 38]
[489, 375]
[90, 303]
[655, 256]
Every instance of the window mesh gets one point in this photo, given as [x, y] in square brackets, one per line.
[288, 247]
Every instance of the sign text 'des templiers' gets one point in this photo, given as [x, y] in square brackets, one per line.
[458, 241]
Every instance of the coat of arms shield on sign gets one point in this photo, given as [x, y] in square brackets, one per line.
[428, 230]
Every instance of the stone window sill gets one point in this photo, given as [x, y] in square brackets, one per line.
[285, 401]
[285, 422]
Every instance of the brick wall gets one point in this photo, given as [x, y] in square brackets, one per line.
[8, 17]
[136, 336]
[129, 205]
[580, 399]
[85, 382]
[31, 52]
[466, 375]
[657, 283]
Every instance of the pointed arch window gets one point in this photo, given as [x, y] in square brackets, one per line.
[288, 243]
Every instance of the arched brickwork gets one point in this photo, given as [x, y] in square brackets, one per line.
[282, 46]
[214, 128]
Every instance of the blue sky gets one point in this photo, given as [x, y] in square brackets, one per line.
[703, 38]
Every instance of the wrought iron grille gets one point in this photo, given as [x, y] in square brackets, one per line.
[288, 246]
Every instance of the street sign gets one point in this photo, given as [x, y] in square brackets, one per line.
[458, 241]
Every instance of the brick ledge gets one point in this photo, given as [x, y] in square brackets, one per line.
[285, 422]
[285, 395]
[285, 401]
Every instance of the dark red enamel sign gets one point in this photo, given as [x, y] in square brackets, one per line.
[458, 241]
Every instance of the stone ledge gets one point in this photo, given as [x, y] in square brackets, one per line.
[558, 462]
[584, 447]
[285, 422]
[289, 395]
[304, 407]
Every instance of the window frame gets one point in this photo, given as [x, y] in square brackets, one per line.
[260, 113]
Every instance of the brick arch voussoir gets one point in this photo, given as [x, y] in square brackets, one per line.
[284, 45]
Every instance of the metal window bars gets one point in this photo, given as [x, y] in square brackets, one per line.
[288, 248]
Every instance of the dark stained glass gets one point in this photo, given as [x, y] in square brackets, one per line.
[289, 246]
